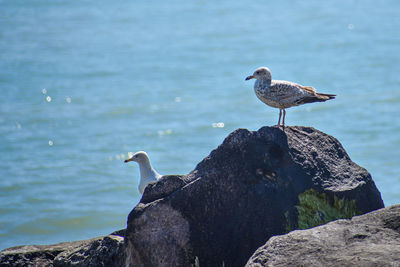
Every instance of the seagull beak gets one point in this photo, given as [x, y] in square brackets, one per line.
[249, 77]
[127, 160]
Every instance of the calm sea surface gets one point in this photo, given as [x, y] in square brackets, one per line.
[85, 82]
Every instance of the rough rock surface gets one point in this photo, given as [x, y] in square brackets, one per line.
[372, 239]
[253, 186]
[100, 251]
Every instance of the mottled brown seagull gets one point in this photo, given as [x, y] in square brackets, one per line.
[283, 94]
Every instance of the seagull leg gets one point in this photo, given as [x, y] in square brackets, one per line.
[283, 120]
[279, 120]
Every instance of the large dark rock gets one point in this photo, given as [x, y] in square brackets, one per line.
[101, 251]
[372, 239]
[253, 186]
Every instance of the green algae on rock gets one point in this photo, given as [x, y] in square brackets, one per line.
[318, 208]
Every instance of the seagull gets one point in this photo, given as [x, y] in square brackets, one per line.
[147, 173]
[283, 94]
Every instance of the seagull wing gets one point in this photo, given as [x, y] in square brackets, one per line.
[295, 94]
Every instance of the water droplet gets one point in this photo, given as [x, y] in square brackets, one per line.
[19, 126]
[178, 99]
[44, 91]
[68, 99]
[50, 143]
[48, 99]
[350, 26]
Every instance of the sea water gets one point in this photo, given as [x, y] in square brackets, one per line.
[82, 83]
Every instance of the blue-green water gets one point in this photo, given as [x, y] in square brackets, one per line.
[84, 82]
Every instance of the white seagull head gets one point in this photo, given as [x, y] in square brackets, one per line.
[139, 157]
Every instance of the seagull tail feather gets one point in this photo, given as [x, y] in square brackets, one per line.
[326, 96]
[318, 97]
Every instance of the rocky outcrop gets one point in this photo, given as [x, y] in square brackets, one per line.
[372, 239]
[100, 251]
[253, 186]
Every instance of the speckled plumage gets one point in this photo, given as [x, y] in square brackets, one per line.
[283, 94]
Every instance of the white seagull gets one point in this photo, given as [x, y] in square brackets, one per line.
[147, 173]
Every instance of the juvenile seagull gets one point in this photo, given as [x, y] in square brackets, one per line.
[147, 173]
[283, 94]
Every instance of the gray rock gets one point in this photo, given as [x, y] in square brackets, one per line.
[35, 255]
[105, 251]
[253, 186]
[165, 186]
[372, 239]
[100, 251]
[120, 233]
